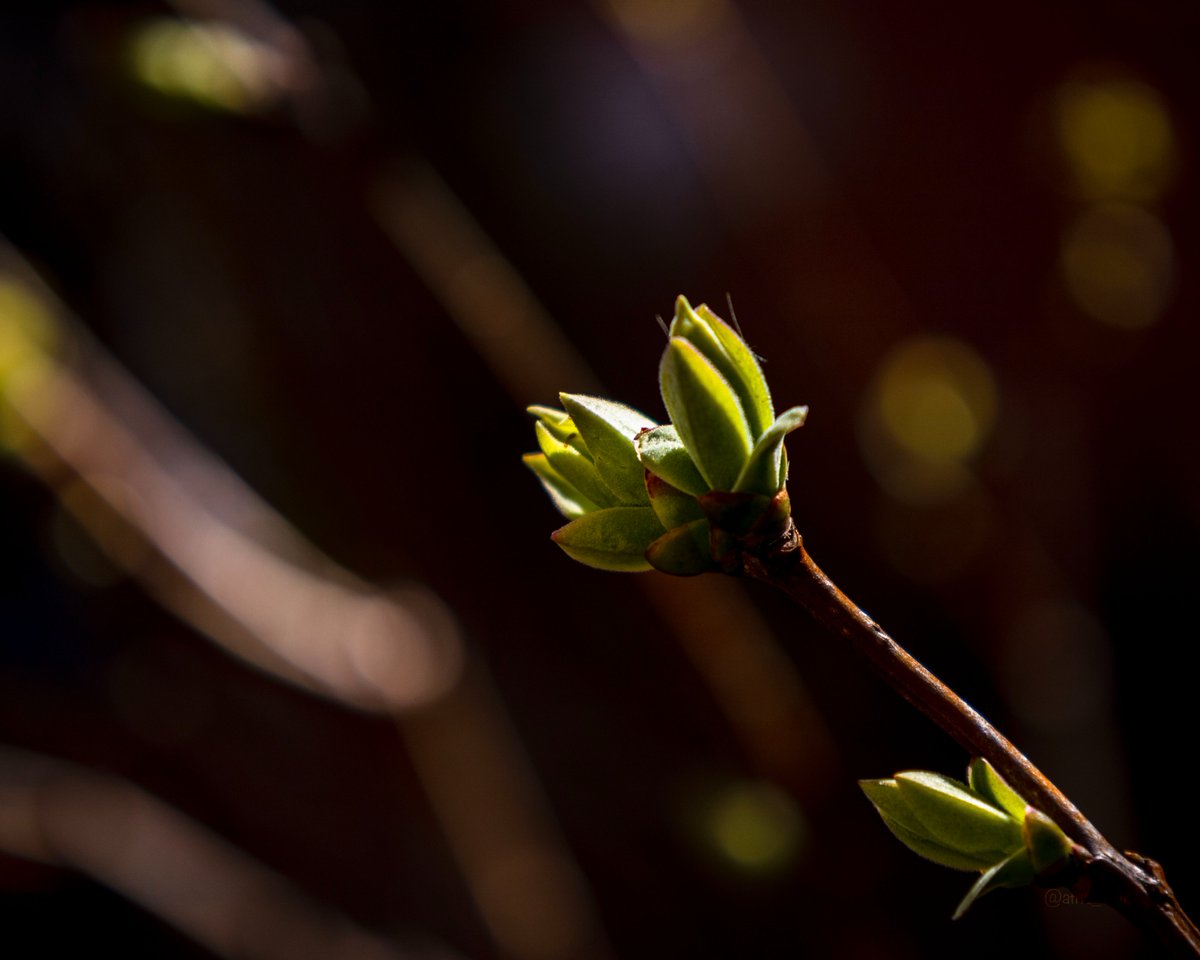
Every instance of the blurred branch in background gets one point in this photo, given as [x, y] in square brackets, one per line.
[195, 535]
[221, 559]
[116, 833]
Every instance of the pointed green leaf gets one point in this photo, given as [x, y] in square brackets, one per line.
[569, 501]
[724, 348]
[699, 332]
[706, 412]
[886, 796]
[763, 472]
[1013, 871]
[683, 551]
[608, 429]
[1044, 840]
[922, 846]
[746, 374]
[561, 426]
[575, 468]
[662, 453]
[956, 816]
[612, 539]
[673, 507]
[985, 781]
[893, 808]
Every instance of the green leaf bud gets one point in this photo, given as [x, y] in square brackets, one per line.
[569, 501]
[561, 426]
[609, 429]
[899, 818]
[725, 349]
[575, 468]
[673, 506]
[615, 538]
[721, 459]
[764, 471]
[1045, 842]
[662, 453]
[1014, 871]
[934, 851]
[683, 551]
[707, 413]
[985, 781]
[956, 816]
[981, 826]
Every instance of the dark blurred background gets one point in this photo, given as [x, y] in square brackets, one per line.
[344, 244]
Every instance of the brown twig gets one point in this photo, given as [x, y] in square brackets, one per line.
[1099, 873]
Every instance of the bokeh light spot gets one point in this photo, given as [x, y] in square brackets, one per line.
[927, 414]
[1116, 137]
[27, 330]
[28, 342]
[754, 827]
[211, 65]
[937, 399]
[1118, 265]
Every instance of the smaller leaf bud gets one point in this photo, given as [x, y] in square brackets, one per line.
[1045, 842]
[985, 781]
[765, 471]
[956, 815]
[893, 807]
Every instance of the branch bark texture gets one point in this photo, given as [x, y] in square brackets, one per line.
[1097, 872]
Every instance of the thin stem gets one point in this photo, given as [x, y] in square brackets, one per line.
[1100, 873]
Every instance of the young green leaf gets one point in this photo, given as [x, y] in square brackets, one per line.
[763, 472]
[890, 802]
[569, 501]
[706, 412]
[575, 468]
[615, 538]
[892, 807]
[905, 827]
[608, 429]
[1045, 842]
[561, 426]
[937, 852]
[746, 374]
[1014, 871]
[985, 781]
[662, 453]
[956, 816]
[673, 506]
[683, 551]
